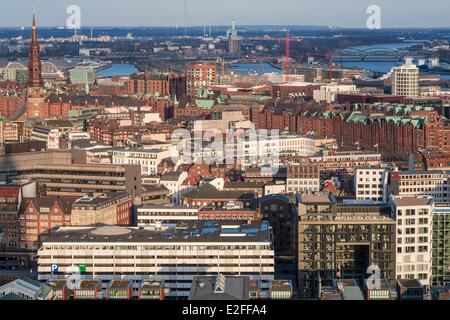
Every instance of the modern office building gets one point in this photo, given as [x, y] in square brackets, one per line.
[414, 238]
[148, 159]
[441, 244]
[341, 240]
[173, 255]
[420, 183]
[329, 93]
[279, 211]
[405, 81]
[81, 179]
[151, 215]
[372, 184]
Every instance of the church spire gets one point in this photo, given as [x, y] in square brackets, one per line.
[34, 64]
[33, 28]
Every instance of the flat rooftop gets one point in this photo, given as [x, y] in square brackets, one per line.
[100, 200]
[410, 201]
[404, 283]
[190, 231]
[316, 198]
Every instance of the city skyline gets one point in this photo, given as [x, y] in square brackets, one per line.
[253, 164]
[394, 14]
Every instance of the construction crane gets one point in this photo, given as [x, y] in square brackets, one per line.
[287, 41]
[328, 55]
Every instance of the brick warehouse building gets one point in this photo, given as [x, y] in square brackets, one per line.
[173, 85]
[110, 132]
[9, 103]
[386, 128]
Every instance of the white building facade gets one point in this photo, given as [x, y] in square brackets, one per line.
[372, 184]
[148, 159]
[405, 81]
[158, 215]
[414, 238]
[174, 256]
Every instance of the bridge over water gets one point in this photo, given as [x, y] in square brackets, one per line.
[378, 54]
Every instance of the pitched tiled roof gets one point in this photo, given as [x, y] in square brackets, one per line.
[48, 202]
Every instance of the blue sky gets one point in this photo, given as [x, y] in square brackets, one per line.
[343, 13]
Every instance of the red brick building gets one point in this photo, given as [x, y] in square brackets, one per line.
[61, 105]
[110, 132]
[9, 103]
[39, 216]
[432, 160]
[365, 98]
[200, 76]
[293, 90]
[173, 85]
[386, 128]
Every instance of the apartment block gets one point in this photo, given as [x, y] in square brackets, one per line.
[372, 184]
[200, 76]
[414, 238]
[148, 159]
[420, 183]
[341, 240]
[441, 245]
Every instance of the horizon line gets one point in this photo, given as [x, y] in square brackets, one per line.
[331, 28]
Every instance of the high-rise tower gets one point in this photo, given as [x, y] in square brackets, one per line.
[234, 42]
[35, 83]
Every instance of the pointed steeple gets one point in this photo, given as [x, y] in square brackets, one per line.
[34, 63]
[33, 28]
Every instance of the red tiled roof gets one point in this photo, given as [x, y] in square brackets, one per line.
[9, 191]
